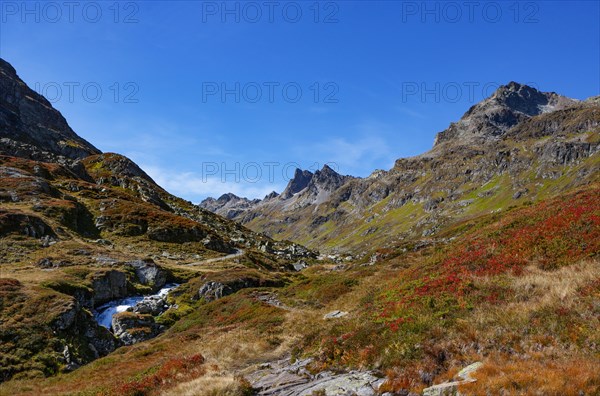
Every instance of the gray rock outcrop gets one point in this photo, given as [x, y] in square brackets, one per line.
[211, 291]
[282, 378]
[109, 286]
[30, 127]
[148, 273]
[132, 328]
[152, 305]
[84, 339]
[451, 388]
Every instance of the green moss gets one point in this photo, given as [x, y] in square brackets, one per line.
[67, 287]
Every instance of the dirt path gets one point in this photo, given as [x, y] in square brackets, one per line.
[238, 253]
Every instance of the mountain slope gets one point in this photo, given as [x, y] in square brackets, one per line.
[80, 228]
[30, 127]
[517, 289]
[492, 117]
[517, 145]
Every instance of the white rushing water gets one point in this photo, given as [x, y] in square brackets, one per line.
[105, 312]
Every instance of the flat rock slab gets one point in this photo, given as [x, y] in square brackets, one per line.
[445, 389]
[285, 379]
[271, 299]
[335, 314]
[470, 369]
[451, 388]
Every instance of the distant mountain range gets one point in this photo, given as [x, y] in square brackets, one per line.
[517, 145]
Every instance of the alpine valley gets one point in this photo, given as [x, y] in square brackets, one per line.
[472, 268]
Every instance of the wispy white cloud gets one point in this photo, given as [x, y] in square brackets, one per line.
[367, 150]
[411, 112]
[353, 153]
[194, 186]
[158, 137]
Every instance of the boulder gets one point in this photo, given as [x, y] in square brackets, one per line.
[148, 273]
[109, 286]
[217, 244]
[445, 389]
[451, 388]
[335, 314]
[152, 305]
[300, 265]
[465, 373]
[211, 291]
[282, 378]
[46, 263]
[132, 328]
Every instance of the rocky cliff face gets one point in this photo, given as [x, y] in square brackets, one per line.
[518, 145]
[30, 127]
[491, 118]
[298, 183]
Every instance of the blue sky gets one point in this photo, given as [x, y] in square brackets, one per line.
[203, 95]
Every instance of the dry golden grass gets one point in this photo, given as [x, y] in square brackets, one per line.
[537, 289]
[533, 377]
[240, 350]
[215, 382]
[234, 349]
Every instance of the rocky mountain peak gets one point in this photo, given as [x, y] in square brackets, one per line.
[327, 179]
[228, 197]
[31, 128]
[298, 183]
[525, 99]
[228, 205]
[6, 68]
[271, 195]
[506, 107]
[327, 170]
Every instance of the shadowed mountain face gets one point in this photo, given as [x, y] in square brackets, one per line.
[297, 183]
[518, 145]
[30, 127]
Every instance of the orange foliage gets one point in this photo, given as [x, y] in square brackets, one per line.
[536, 377]
[173, 371]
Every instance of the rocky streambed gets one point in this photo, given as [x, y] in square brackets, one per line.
[134, 313]
[152, 304]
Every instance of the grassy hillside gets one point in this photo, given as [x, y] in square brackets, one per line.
[541, 157]
[518, 291]
[67, 241]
